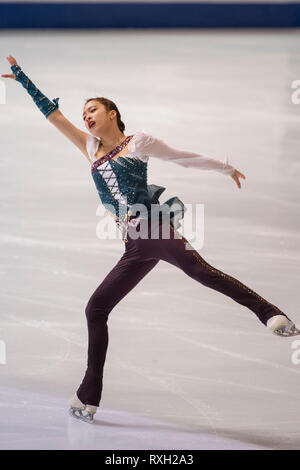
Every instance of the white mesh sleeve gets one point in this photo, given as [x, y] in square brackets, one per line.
[148, 146]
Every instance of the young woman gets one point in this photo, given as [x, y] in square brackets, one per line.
[119, 169]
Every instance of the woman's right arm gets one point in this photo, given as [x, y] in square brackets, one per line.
[49, 108]
[75, 135]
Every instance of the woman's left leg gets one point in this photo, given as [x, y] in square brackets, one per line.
[174, 251]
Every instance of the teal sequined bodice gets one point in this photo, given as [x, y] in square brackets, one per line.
[128, 188]
[122, 187]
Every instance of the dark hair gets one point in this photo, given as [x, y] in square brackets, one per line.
[109, 105]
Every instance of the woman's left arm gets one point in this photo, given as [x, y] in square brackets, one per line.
[159, 149]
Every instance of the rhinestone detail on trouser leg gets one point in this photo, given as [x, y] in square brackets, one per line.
[273, 309]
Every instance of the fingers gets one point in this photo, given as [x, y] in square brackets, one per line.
[238, 183]
[236, 175]
[8, 75]
[11, 60]
[239, 174]
[236, 179]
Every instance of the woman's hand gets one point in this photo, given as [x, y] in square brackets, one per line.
[12, 61]
[236, 175]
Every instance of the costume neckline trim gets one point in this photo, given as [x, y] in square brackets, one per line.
[110, 154]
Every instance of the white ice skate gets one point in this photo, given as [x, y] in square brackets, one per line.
[281, 326]
[81, 411]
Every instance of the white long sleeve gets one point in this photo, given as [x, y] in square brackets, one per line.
[145, 145]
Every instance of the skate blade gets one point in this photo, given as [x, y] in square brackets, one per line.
[287, 331]
[77, 413]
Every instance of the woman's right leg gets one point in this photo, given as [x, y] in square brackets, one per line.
[125, 275]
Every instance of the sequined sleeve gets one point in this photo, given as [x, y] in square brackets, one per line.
[148, 146]
[46, 106]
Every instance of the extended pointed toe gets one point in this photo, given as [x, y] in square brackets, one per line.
[282, 326]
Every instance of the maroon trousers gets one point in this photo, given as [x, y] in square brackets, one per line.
[139, 257]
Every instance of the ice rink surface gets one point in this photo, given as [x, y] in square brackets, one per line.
[187, 367]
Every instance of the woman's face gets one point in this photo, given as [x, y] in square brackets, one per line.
[96, 117]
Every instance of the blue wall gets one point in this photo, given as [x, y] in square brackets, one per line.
[147, 15]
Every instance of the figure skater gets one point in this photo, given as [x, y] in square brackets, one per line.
[119, 170]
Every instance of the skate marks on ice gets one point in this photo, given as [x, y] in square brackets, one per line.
[38, 421]
[209, 432]
[205, 418]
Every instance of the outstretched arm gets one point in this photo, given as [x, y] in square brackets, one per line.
[49, 108]
[188, 159]
[159, 149]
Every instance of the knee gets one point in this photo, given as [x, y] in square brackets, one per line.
[97, 310]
